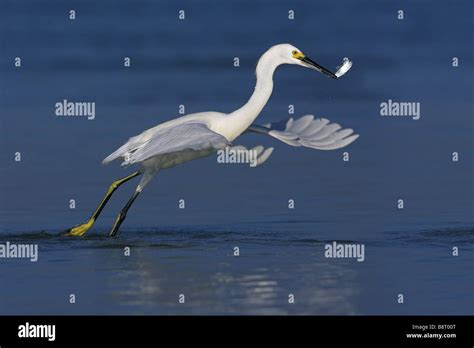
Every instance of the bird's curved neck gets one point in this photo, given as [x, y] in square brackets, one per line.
[243, 117]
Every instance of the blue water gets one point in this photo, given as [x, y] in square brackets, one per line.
[190, 250]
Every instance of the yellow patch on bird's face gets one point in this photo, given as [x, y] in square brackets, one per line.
[297, 54]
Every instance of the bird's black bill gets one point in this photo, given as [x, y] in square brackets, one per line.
[318, 67]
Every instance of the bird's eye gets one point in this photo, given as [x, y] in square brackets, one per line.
[295, 52]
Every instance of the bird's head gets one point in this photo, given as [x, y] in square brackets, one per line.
[289, 54]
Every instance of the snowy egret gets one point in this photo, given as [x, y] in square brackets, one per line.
[199, 135]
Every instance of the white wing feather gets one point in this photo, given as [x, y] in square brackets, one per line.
[187, 136]
[309, 132]
[261, 153]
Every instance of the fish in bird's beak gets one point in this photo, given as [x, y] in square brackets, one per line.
[313, 65]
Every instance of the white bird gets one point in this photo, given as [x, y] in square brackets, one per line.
[201, 134]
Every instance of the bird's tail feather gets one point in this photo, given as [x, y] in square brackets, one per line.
[122, 151]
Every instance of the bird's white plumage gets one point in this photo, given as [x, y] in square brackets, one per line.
[262, 153]
[199, 135]
[190, 136]
[309, 132]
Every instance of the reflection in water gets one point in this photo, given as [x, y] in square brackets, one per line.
[163, 265]
[319, 288]
[154, 279]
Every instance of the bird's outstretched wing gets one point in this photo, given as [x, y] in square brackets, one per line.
[261, 153]
[186, 136]
[309, 132]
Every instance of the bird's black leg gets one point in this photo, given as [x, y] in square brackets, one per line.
[81, 229]
[123, 214]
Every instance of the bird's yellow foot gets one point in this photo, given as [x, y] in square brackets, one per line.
[79, 230]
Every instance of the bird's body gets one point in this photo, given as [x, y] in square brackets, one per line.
[230, 126]
[207, 119]
[201, 134]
